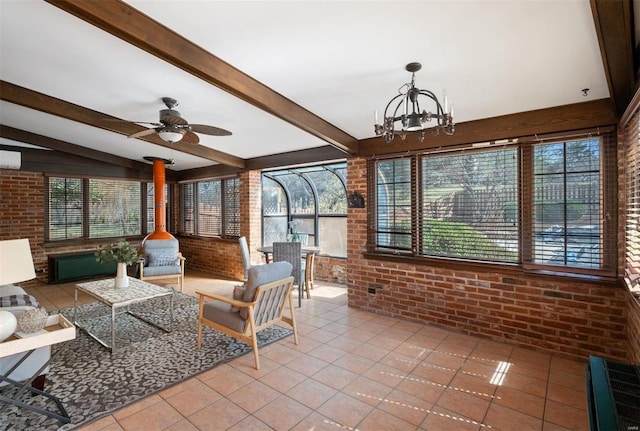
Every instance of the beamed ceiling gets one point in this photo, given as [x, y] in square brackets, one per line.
[296, 81]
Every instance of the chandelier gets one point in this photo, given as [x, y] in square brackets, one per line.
[402, 114]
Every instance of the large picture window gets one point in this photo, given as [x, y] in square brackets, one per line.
[93, 208]
[211, 208]
[469, 205]
[538, 205]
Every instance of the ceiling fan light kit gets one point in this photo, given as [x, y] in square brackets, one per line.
[173, 128]
[402, 114]
[171, 136]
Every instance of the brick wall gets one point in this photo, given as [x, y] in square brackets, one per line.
[548, 313]
[220, 257]
[22, 214]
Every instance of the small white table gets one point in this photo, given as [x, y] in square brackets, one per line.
[57, 329]
[119, 297]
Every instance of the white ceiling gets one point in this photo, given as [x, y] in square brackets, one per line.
[338, 59]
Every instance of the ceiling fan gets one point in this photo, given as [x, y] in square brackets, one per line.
[172, 127]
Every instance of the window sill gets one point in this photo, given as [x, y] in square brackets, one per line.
[490, 267]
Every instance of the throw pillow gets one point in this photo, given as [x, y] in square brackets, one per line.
[163, 259]
[238, 294]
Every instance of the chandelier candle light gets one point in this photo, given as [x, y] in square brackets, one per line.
[398, 111]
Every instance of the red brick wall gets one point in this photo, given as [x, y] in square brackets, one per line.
[22, 213]
[549, 313]
[220, 257]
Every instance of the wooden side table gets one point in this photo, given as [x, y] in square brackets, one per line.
[57, 330]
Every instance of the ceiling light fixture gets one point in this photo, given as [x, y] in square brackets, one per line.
[404, 109]
[171, 135]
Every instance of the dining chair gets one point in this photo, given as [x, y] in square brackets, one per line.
[291, 252]
[246, 257]
[309, 261]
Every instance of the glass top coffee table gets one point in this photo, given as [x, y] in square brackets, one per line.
[120, 297]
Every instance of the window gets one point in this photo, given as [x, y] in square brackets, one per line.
[393, 205]
[469, 205]
[632, 192]
[93, 208]
[312, 200]
[151, 212]
[538, 205]
[66, 209]
[567, 204]
[211, 208]
[114, 208]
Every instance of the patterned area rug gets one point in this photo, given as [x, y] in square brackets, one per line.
[91, 382]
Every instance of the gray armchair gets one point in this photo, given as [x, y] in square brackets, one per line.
[161, 259]
[260, 303]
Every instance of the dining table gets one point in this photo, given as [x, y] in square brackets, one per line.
[305, 249]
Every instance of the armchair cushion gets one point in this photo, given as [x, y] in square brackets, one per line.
[219, 312]
[162, 258]
[151, 271]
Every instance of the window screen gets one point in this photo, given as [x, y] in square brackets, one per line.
[65, 208]
[632, 197]
[470, 205]
[567, 211]
[209, 208]
[114, 208]
[393, 204]
[232, 207]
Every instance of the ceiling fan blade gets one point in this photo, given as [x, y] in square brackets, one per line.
[142, 133]
[209, 130]
[174, 119]
[190, 138]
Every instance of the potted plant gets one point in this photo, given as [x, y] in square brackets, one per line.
[121, 252]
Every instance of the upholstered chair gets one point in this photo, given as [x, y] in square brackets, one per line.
[263, 301]
[160, 259]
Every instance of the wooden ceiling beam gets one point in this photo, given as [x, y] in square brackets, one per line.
[136, 28]
[613, 21]
[26, 137]
[32, 99]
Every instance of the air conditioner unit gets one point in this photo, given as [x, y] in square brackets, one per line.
[10, 159]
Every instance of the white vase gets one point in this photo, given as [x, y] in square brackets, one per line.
[8, 323]
[122, 279]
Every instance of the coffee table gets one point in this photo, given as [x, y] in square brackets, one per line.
[120, 297]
